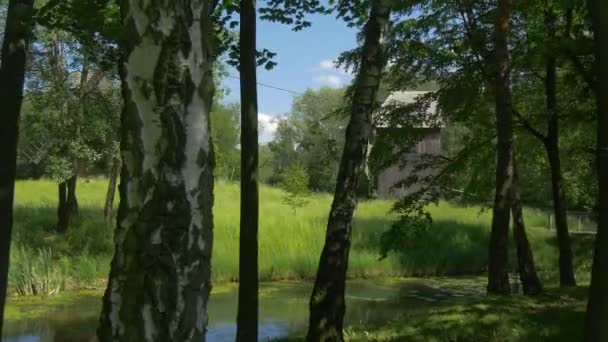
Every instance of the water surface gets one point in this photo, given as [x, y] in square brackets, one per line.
[283, 309]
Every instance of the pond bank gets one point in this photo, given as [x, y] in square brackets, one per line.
[72, 316]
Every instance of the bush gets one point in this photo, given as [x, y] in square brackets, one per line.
[294, 182]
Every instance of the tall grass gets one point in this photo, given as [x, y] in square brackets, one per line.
[36, 272]
[290, 244]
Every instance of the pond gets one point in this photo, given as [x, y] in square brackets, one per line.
[283, 308]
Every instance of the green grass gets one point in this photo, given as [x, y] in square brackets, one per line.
[556, 316]
[290, 244]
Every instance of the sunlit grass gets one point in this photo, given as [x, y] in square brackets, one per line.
[556, 316]
[290, 243]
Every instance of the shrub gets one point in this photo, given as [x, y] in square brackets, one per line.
[294, 182]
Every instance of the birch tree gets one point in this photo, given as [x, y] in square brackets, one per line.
[327, 304]
[159, 281]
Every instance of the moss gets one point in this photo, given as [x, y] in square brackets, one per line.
[34, 307]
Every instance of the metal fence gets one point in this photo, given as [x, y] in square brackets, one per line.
[578, 221]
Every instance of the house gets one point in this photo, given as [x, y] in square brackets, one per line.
[425, 124]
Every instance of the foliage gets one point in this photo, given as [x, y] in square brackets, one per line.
[294, 182]
[313, 136]
[95, 24]
[70, 120]
[225, 130]
[413, 224]
[449, 44]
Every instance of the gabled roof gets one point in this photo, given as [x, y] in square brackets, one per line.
[404, 98]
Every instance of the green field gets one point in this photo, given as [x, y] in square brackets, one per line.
[290, 243]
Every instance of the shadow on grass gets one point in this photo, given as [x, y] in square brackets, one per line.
[88, 233]
[556, 317]
[448, 248]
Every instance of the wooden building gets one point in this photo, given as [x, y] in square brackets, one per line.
[429, 144]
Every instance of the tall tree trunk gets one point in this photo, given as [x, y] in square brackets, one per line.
[17, 34]
[109, 205]
[67, 206]
[327, 305]
[160, 275]
[596, 329]
[525, 258]
[566, 270]
[498, 276]
[247, 316]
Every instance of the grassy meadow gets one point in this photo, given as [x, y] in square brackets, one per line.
[290, 243]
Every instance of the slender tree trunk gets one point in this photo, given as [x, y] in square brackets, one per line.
[596, 329]
[62, 199]
[67, 206]
[109, 205]
[17, 34]
[498, 276]
[72, 201]
[247, 316]
[327, 305]
[566, 270]
[160, 276]
[525, 258]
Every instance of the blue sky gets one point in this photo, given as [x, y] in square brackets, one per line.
[304, 61]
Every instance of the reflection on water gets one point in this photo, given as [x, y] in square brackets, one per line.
[283, 309]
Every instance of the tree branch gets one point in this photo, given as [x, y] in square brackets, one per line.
[526, 124]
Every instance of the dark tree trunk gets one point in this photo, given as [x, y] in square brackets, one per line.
[160, 276]
[109, 205]
[17, 33]
[566, 270]
[62, 200]
[327, 305]
[596, 329]
[525, 258]
[67, 207]
[247, 316]
[498, 276]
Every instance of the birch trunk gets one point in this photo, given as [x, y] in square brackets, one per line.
[159, 281]
[327, 305]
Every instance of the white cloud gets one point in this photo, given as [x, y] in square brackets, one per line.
[330, 65]
[267, 126]
[327, 64]
[332, 81]
[328, 74]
